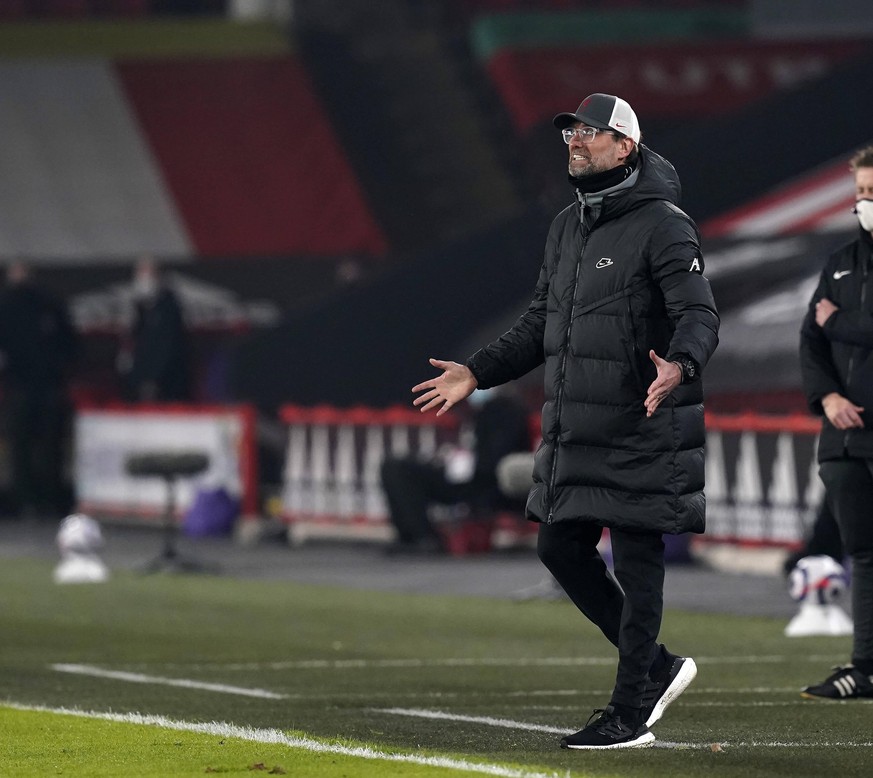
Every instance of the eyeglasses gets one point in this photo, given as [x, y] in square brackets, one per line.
[585, 134]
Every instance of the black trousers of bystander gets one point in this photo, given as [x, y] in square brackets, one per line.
[849, 492]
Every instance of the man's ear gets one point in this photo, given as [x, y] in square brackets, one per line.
[627, 146]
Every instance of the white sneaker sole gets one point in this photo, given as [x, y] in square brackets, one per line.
[684, 677]
[643, 741]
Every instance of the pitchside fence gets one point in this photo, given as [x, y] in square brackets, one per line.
[331, 485]
[762, 483]
[762, 480]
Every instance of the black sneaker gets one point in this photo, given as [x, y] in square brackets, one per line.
[661, 691]
[608, 731]
[847, 683]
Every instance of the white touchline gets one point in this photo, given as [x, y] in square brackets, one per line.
[510, 724]
[687, 704]
[546, 661]
[506, 723]
[277, 737]
[490, 721]
[186, 683]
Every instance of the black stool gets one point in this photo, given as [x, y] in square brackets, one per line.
[169, 465]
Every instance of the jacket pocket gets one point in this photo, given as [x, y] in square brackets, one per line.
[635, 355]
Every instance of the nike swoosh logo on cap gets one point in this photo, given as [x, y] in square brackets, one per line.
[840, 273]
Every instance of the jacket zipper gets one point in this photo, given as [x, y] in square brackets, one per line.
[560, 398]
[852, 357]
[634, 345]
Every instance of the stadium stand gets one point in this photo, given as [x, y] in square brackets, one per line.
[274, 181]
[545, 30]
[382, 332]
[665, 83]
[160, 179]
[78, 182]
[423, 147]
[368, 176]
[17, 10]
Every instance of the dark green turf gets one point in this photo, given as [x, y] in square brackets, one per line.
[197, 627]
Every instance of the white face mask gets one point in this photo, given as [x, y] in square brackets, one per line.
[864, 209]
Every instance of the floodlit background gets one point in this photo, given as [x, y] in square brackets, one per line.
[340, 189]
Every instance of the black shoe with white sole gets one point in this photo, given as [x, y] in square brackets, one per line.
[665, 688]
[608, 731]
[847, 683]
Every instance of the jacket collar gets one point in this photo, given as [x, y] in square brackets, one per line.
[653, 179]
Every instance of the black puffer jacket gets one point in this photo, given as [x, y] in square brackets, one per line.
[605, 296]
[839, 356]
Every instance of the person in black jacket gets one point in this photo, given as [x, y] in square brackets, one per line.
[625, 322]
[154, 359]
[836, 355]
[38, 346]
[412, 485]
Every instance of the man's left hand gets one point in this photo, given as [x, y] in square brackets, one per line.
[669, 377]
[824, 309]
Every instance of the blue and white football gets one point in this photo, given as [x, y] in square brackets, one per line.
[818, 579]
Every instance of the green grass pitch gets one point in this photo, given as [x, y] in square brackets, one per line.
[189, 675]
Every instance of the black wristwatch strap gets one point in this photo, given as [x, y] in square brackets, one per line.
[690, 371]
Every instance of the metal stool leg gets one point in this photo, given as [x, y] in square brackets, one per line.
[170, 560]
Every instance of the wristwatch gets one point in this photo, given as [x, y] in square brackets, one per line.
[688, 366]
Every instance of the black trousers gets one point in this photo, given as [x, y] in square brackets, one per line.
[410, 486]
[38, 418]
[629, 615]
[825, 536]
[849, 492]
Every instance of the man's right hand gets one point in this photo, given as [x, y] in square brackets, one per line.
[842, 412]
[456, 383]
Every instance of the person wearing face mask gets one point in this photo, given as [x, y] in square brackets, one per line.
[836, 357]
[154, 360]
[624, 320]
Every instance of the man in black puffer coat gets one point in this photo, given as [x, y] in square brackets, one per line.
[625, 322]
[836, 357]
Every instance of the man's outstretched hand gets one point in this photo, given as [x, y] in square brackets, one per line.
[669, 377]
[454, 384]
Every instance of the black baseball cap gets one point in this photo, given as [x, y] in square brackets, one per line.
[607, 112]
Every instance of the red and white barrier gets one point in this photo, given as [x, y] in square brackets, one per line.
[762, 484]
[331, 482]
[762, 481]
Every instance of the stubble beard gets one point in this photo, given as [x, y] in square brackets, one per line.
[592, 168]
